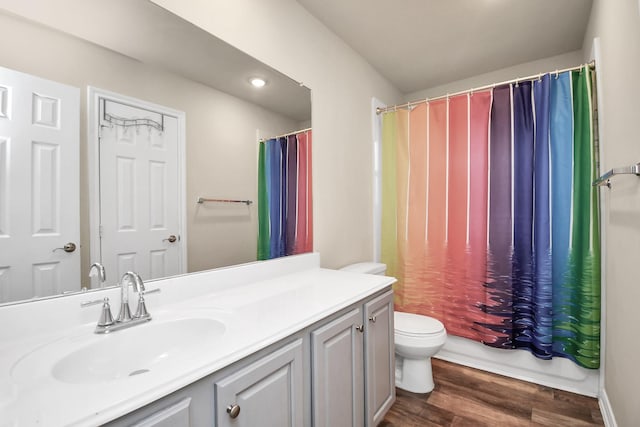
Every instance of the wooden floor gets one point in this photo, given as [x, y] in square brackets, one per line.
[468, 397]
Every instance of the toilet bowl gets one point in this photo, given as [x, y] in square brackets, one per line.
[417, 339]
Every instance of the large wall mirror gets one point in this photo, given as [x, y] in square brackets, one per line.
[136, 50]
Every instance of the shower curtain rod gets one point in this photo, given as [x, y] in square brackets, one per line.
[380, 110]
[286, 134]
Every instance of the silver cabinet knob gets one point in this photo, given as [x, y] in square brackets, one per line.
[360, 328]
[372, 319]
[170, 239]
[69, 247]
[233, 410]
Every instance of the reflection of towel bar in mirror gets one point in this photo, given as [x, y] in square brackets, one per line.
[201, 200]
[605, 179]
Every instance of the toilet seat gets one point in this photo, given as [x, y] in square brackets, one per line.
[416, 325]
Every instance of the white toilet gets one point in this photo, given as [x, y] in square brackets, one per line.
[417, 338]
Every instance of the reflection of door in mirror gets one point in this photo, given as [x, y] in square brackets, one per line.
[139, 188]
[39, 211]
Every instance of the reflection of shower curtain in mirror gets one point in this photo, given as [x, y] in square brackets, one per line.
[490, 222]
[285, 217]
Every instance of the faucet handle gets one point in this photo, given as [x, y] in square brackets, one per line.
[106, 319]
[141, 311]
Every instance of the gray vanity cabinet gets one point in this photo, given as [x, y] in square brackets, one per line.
[337, 372]
[380, 388]
[268, 392]
[353, 366]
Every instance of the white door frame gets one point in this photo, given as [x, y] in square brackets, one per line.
[93, 133]
[376, 131]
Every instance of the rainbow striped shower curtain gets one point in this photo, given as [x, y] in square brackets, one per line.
[490, 222]
[285, 216]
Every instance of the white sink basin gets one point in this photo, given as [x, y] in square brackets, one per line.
[126, 353]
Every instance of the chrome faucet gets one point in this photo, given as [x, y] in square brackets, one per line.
[124, 320]
[102, 274]
[138, 285]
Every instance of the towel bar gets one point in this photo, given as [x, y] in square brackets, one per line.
[605, 179]
[201, 200]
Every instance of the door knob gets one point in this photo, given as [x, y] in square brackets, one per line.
[69, 247]
[233, 410]
[170, 239]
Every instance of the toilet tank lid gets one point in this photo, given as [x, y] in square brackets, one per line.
[366, 268]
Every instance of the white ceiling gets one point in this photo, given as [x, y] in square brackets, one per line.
[420, 44]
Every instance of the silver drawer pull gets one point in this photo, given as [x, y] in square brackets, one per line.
[360, 328]
[233, 410]
[372, 319]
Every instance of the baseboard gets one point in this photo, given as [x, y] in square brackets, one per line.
[606, 410]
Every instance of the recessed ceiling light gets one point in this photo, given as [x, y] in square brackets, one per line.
[258, 82]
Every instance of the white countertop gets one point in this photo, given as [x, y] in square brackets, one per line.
[256, 313]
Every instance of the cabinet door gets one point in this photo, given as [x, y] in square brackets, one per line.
[337, 372]
[268, 393]
[379, 358]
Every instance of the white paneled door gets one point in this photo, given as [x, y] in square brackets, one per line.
[39, 187]
[140, 196]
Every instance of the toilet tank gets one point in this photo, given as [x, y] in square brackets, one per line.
[366, 268]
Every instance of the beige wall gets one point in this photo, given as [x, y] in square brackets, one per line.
[617, 25]
[221, 134]
[545, 65]
[283, 35]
